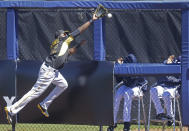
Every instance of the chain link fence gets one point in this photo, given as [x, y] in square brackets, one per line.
[3, 48]
[36, 29]
[37, 26]
[123, 0]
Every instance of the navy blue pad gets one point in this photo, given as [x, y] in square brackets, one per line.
[146, 69]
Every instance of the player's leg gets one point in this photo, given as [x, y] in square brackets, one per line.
[61, 86]
[128, 95]
[117, 99]
[167, 97]
[45, 77]
[155, 93]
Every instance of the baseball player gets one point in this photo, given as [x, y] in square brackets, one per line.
[130, 88]
[166, 88]
[49, 73]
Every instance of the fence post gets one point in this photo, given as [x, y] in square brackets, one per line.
[101, 128]
[185, 67]
[12, 46]
[11, 35]
[99, 47]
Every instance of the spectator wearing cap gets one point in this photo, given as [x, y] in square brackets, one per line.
[129, 89]
[165, 88]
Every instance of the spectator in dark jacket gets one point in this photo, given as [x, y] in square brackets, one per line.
[130, 88]
[166, 88]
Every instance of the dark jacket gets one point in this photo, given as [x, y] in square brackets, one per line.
[132, 81]
[172, 80]
[169, 81]
[136, 81]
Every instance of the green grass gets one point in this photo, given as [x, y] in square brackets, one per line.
[65, 127]
[48, 127]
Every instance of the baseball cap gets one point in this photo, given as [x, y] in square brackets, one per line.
[59, 32]
[130, 59]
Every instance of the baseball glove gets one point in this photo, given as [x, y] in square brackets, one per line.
[101, 11]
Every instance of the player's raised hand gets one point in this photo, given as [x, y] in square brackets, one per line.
[94, 17]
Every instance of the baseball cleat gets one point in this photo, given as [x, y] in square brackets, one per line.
[170, 123]
[161, 116]
[8, 115]
[43, 110]
[110, 128]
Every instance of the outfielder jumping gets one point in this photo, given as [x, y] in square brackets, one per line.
[49, 73]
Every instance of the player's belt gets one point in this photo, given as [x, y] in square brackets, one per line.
[47, 64]
[50, 67]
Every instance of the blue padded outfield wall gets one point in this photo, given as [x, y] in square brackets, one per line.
[17, 12]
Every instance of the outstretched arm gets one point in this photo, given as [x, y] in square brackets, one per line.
[83, 27]
[87, 24]
[73, 49]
